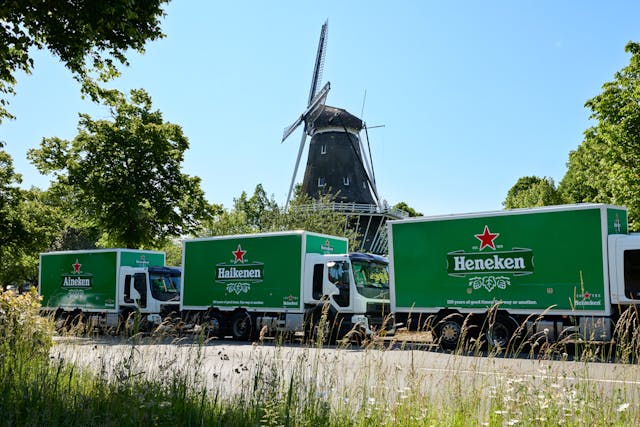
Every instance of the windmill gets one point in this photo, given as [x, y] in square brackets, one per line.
[338, 163]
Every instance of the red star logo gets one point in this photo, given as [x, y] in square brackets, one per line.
[76, 267]
[587, 295]
[290, 297]
[487, 238]
[239, 254]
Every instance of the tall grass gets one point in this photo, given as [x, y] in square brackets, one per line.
[171, 381]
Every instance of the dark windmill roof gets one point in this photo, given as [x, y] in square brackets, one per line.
[332, 116]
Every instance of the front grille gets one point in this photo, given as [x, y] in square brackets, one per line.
[381, 309]
[378, 314]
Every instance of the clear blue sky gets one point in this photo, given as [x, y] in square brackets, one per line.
[473, 95]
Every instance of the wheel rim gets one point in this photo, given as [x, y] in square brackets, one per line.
[450, 332]
[241, 326]
[213, 326]
[499, 335]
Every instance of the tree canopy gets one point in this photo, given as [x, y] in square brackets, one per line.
[606, 166]
[83, 34]
[531, 191]
[408, 209]
[28, 225]
[261, 213]
[124, 175]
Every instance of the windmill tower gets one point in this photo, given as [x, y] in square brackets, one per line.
[338, 163]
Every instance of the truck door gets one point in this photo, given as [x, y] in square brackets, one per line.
[140, 285]
[624, 265]
[132, 287]
[338, 275]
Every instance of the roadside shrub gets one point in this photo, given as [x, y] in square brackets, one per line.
[23, 332]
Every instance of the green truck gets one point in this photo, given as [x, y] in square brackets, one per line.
[560, 271]
[231, 285]
[105, 285]
[240, 285]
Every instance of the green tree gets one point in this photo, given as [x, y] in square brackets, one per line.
[12, 229]
[260, 213]
[531, 191]
[83, 34]
[403, 206]
[123, 175]
[259, 210]
[581, 182]
[28, 226]
[41, 225]
[606, 166]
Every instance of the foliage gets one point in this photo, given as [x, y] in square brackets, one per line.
[41, 224]
[73, 31]
[261, 213]
[28, 225]
[173, 252]
[403, 206]
[123, 175]
[531, 191]
[11, 226]
[22, 330]
[606, 166]
[305, 213]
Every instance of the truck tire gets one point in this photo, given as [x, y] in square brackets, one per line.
[241, 326]
[449, 331]
[500, 333]
[213, 325]
[321, 331]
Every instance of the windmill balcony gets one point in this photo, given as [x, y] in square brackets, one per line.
[356, 208]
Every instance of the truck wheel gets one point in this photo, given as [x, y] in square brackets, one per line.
[241, 326]
[322, 330]
[449, 331]
[213, 326]
[500, 332]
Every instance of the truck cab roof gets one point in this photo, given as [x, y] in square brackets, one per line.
[359, 256]
[165, 270]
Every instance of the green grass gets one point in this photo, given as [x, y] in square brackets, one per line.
[143, 381]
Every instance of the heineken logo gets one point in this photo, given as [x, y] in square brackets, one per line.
[142, 262]
[518, 261]
[490, 269]
[487, 238]
[238, 274]
[77, 278]
[326, 248]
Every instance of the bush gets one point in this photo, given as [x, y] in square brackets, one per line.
[23, 332]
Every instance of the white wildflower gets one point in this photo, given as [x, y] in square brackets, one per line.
[623, 407]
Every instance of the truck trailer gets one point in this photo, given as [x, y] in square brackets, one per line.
[552, 272]
[283, 282]
[106, 285]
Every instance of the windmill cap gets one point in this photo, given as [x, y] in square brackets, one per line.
[337, 117]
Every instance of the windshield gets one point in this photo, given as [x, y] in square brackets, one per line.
[372, 279]
[164, 287]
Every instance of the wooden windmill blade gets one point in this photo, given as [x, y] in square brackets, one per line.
[319, 64]
[314, 104]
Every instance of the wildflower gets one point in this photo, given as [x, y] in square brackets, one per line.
[371, 401]
[623, 407]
